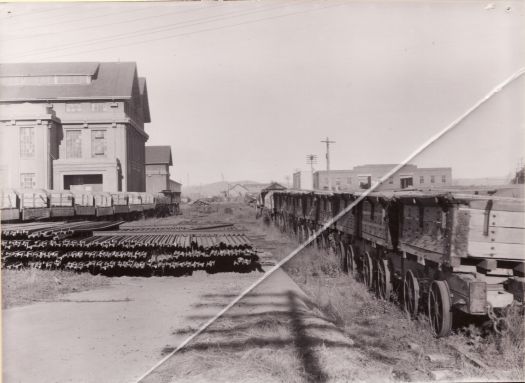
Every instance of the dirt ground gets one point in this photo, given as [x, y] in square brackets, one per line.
[308, 323]
[111, 334]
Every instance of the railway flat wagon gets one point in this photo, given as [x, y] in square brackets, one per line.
[135, 202]
[61, 203]
[10, 205]
[443, 253]
[84, 204]
[103, 204]
[33, 204]
[120, 203]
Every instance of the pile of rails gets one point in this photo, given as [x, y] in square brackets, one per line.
[55, 230]
[134, 252]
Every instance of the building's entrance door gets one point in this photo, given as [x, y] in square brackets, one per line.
[88, 182]
[406, 182]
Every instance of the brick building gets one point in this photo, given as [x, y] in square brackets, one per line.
[73, 126]
[362, 177]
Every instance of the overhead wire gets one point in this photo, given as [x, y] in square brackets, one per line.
[33, 12]
[65, 9]
[62, 22]
[146, 31]
[197, 32]
[179, 12]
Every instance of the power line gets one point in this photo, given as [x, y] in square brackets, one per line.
[64, 11]
[70, 21]
[197, 32]
[104, 24]
[145, 31]
[33, 12]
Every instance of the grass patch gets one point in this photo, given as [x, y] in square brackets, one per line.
[28, 286]
[385, 334]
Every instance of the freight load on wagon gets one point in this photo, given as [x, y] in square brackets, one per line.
[442, 253]
[41, 204]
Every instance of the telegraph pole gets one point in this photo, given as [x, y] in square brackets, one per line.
[328, 142]
[311, 159]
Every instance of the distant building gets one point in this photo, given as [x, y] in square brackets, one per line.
[175, 186]
[273, 186]
[362, 177]
[158, 162]
[77, 125]
[302, 180]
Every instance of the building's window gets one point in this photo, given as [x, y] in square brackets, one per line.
[391, 180]
[443, 179]
[421, 179]
[432, 179]
[338, 181]
[364, 181]
[98, 143]
[27, 180]
[27, 142]
[349, 180]
[45, 80]
[73, 144]
[100, 107]
[73, 107]
[326, 181]
[72, 80]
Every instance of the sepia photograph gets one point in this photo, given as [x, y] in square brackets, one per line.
[260, 191]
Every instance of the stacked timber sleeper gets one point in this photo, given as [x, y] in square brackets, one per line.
[443, 253]
[117, 254]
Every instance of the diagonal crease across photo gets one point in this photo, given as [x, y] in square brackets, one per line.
[333, 220]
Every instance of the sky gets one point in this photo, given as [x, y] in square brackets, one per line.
[244, 90]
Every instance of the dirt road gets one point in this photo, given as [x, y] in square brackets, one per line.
[112, 334]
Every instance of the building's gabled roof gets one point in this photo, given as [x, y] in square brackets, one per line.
[275, 186]
[143, 89]
[109, 80]
[158, 155]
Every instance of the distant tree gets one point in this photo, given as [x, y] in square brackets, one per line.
[519, 178]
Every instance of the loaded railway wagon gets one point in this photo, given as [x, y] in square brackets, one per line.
[61, 203]
[9, 205]
[443, 252]
[40, 204]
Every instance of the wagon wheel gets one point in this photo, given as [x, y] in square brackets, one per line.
[384, 284]
[368, 271]
[333, 248]
[320, 241]
[309, 235]
[350, 260]
[340, 253]
[343, 256]
[439, 312]
[300, 233]
[411, 294]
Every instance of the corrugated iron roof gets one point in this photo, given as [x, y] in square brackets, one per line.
[113, 80]
[158, 155]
